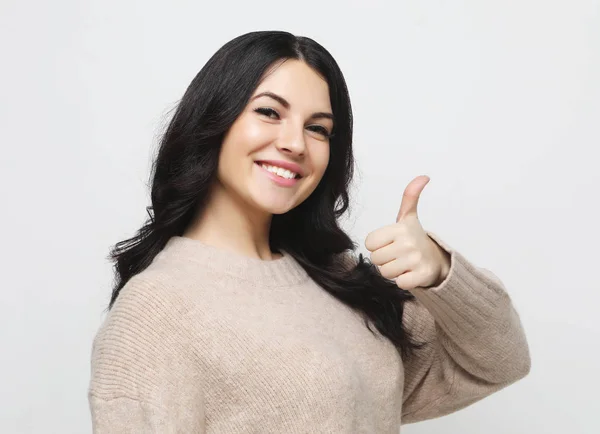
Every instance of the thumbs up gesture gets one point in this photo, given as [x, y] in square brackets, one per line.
[403, 251]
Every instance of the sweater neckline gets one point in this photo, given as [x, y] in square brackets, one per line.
[284, 270]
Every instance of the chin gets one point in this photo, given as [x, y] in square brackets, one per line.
[273, 204]
[277, 208]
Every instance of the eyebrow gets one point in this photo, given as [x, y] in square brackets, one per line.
[281, 100]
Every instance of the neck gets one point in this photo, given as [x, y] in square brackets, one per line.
[227, 222]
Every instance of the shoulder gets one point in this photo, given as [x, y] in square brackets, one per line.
[145, 335]
[152, 291]
[148, 304]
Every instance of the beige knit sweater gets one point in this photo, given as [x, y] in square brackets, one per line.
[208, 341]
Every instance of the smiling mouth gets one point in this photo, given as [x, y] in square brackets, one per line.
[279, 171]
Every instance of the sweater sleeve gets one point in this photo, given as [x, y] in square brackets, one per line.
[476, 344]
[143, 375]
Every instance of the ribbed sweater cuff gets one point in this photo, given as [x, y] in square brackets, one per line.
[468, 301]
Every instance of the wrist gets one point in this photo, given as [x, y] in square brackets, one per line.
[445, 269]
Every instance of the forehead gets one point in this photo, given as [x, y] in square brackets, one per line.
[298, 83]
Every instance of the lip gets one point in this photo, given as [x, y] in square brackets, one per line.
[292, 167]
[282, 182]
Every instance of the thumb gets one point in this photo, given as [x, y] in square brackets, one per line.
[410, 198]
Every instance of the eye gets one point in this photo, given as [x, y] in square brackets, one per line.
[321, 130]
[267, 112]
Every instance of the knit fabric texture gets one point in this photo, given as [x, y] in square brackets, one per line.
[209, 341]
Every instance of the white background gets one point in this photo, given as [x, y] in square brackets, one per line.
[497, 101]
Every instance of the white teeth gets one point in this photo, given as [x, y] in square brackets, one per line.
[284, 173]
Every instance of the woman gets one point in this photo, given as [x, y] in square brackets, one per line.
[239, 307]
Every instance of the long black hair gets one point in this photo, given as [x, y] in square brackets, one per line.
[186, 167]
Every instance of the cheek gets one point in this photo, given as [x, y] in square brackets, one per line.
[321, 160]
[252, 133]
[244, 136]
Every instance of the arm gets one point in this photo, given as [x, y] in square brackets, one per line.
[476, 342]
[143, 376]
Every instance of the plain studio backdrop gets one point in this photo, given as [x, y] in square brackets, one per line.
[498, 102]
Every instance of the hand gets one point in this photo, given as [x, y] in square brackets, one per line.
[403, 251]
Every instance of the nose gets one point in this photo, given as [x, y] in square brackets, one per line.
[292, 142]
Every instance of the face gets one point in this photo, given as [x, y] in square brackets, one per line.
[277, 150]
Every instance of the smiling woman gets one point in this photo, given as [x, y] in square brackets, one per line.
[286, 128]
[240, 306]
